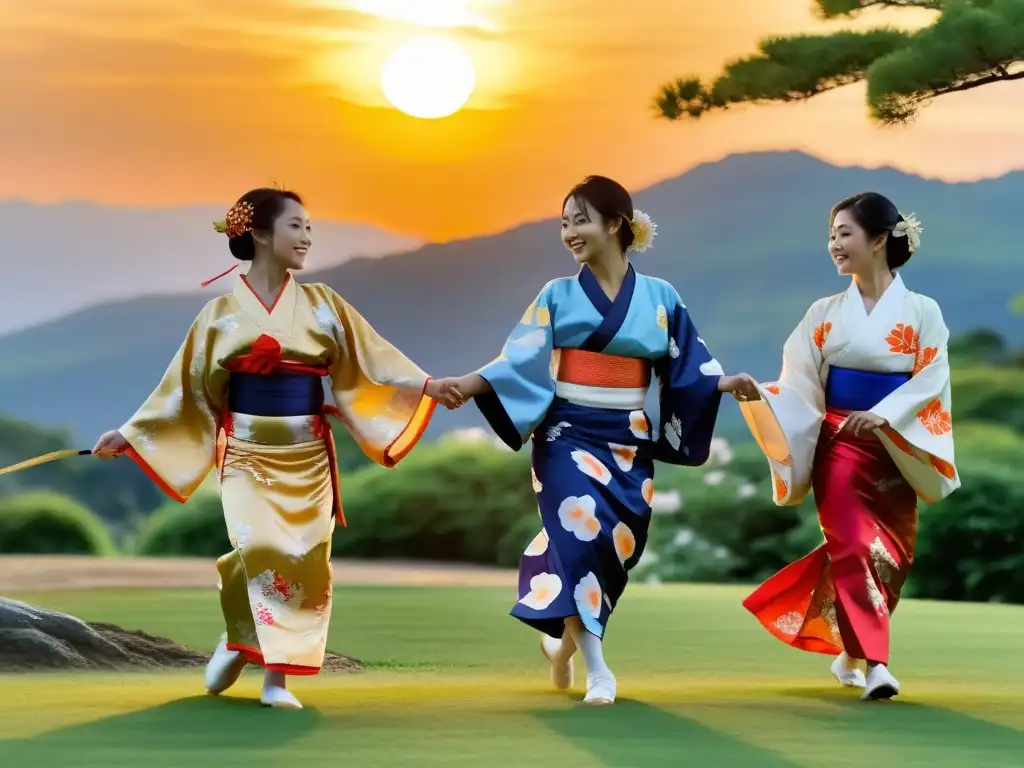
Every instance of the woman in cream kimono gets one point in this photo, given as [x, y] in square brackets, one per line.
[244, 396]
[861, 415]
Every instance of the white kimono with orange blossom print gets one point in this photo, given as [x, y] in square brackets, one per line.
[904, 332]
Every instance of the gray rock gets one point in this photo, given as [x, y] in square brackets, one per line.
[34, 638]
[38, 637]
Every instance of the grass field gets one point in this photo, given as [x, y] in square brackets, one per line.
[456, 682]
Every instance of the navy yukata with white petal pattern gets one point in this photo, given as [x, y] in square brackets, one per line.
[593, 468]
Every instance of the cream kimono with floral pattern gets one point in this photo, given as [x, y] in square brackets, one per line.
[278, 474]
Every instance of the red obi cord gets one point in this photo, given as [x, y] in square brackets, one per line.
[265, 358]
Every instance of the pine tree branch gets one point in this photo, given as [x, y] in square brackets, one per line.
[998, 76]
[900, 109]
[973, 43]
[787, 69]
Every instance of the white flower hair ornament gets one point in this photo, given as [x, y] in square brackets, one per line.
[910, 228]
[644, 229]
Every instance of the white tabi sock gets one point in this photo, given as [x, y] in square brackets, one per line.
[275, 694]
[590, 647]
[600, 680]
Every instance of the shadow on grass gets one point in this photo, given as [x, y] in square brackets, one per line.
[185, 733]
[632, 733]
[916, 726]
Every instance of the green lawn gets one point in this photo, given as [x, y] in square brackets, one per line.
[456, 682]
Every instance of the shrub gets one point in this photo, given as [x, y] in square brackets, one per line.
[991, 443]
[42, 523]
[194, 529]
[727, 528]
[971, 544]
[458, 501]
[115, 490]
[993, 395]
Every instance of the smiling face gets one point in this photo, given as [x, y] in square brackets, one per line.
[585, 233]
[292, 236]
[852, 251]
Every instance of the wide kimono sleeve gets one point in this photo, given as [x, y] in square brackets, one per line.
[174, 435]
[786, 421]
[919, 434]
[522, 388]
[688, 391]
[378, 391]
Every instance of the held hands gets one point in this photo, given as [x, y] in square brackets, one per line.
[742, 386]
[454, 392]
[110, 445]
[446, 392]
[863, 421]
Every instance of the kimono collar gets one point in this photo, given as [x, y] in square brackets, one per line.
[603, 304]
[890, 297]
[279, 316]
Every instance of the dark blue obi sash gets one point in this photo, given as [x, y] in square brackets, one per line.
[848, 389]
[277, 394]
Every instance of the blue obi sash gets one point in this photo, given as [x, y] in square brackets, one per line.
[848, 389]
[278, 394]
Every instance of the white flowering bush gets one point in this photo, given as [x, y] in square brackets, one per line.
[681, 554]
[717, 523]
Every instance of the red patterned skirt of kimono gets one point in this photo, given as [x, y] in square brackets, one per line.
[841, 596]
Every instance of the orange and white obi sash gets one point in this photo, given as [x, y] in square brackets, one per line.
[598, 380]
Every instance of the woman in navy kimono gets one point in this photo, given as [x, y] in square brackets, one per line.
[574, 375]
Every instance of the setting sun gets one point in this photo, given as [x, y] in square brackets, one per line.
[429, 77]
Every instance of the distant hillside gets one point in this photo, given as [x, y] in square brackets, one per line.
[744, 241]
[52, 254]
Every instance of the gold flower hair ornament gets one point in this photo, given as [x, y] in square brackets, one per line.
[644, 230]
[911, 229]
[238, 221]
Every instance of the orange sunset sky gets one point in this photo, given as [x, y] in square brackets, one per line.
[171, 102]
